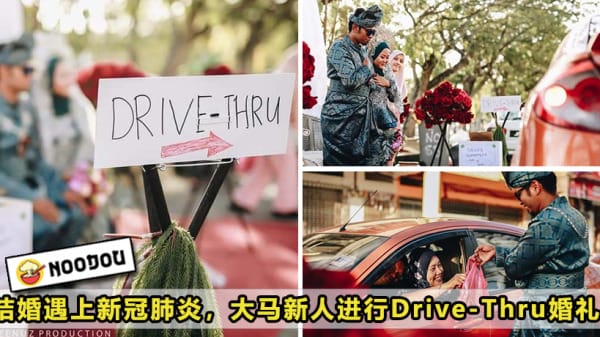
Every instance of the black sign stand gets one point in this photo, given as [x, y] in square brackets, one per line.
[158, 213]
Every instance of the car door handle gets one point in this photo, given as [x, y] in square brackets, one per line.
[470, 324]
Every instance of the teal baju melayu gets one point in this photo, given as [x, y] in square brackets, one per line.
[24, 175]
[347, 123]
[346, 115]
[552, 254]
[553, 251]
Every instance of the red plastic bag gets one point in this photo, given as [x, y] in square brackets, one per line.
[475, 284]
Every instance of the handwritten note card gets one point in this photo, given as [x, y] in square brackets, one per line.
[16, 231]
[175, 119]
[480, 153]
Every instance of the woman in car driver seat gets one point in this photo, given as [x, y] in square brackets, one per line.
[428, 271]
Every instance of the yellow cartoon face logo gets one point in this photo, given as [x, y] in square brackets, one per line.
[30, 272]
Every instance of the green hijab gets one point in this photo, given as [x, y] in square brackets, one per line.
[60, 104]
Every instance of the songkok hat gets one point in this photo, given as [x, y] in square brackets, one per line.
[521, 179]
[18, 51]
[369, 18]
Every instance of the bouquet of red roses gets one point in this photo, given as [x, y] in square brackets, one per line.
[444, 104]
[308, 71]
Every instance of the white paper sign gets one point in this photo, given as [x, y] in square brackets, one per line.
[500, 103]
[176, 119]
[16, 231]
[428, 141]
[480, 153]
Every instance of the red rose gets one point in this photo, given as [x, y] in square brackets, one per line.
[308, 71]
[444, 104]
[308, 63]
[405, 111]
[444, 89]
[446, 101]
[467, 102]
[308, 101]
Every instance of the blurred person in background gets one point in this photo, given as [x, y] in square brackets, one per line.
[66, 135]
[281, 168]
[127, 192]
[58, 210]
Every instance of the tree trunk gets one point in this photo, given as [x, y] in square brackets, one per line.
[247, 54]
[428, 66]
[133, 10]
[178, 53]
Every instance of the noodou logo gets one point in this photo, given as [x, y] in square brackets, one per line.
[90, 262]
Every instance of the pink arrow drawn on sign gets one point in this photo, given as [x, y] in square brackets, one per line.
[213, 143]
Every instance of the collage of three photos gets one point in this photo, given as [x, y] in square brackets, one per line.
[396, 162]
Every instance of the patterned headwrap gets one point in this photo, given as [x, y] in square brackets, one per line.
[521, 179]
[380, 47]
[420, 262]
[369, 18]
[18, 51]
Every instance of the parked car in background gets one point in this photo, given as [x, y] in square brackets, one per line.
[561, 120]
[370, 250]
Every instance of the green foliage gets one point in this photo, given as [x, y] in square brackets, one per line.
[501, 44]
[249, 36]
[172, 264]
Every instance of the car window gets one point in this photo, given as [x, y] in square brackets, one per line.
[494, 275]
[397, 270]
[338, 251]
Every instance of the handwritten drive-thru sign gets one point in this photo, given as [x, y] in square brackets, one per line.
[500, 103]
[176, 119]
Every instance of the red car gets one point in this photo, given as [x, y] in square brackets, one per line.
[370, 250]
[561, 120]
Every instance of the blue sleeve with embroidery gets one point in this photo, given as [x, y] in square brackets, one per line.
[12, 188]
[16, 189]
[350, 74]
[539, 244]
